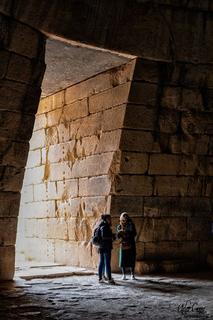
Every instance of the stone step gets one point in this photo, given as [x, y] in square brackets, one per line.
[167, 266]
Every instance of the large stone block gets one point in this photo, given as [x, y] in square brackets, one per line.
[16, 154]
[131, 204]
[162, 250]
[80, 229]
[170, 229]
[7, 262]
[31, 99]
[34, 158]
[109, 98]
[191, 165]
[108, 141]
[93, 165]
[59, 171]
[27, 194]
[113, 118]
[143, 93]
[8, 228]
[61, 152]
[189, 144]
[176, 206]
[39, 250]
[164, 164]
[146, 70]
[12, 179]
[54, 117]
[196, 123]
[94, 206]
[101, 82]
[87, 146]
[140, 117]
[4, 58]
[13, 89]
[134, 185]
[134, 140]
[38, 210]
[68, 208]
[25, 131]
[169, 121]
[34, 175]
[134, 163]
[87, 126]
[9, 204]
[94, 186]
[199, 228]
[75, 111]
[152, 229]
[45, 191]
[40, 122]
[67, 252]
[19, 69]
[24, 40]
[57, 228]
[67, 189]
[87, 88]
[195, 186]
[38, 139]
[205, 250]
[9, 120]
[59, 134]
[171, 186]
[182, 99]
[36, 228]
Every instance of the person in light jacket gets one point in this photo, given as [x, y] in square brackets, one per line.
[126, 232]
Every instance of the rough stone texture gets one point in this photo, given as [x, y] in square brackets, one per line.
[111, 146]
[74, 293]
[21, 71]
[73, 159]
[170, 90]
[121, 25]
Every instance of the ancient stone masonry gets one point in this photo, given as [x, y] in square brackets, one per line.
[136, 138]
[74, 155]
[21, 71]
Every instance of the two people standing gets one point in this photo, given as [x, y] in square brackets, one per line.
[126, 234]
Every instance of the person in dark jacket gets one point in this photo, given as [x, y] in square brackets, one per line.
[126, 232]
[105, 248]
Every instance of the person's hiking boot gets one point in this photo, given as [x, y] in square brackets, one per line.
[124, 277]
[105, 278]
[133, 277]
[111, 281]
[101, 280]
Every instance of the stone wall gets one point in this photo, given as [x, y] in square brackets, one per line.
[74, 155]
[21, 71]
[166, 178]
[137, 138]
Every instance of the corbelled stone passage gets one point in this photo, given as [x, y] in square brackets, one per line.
[21, 71]
[135, 138]
[74, 156]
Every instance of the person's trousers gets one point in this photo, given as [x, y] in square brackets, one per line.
[105, 263]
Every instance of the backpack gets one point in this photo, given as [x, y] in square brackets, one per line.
[96, 237]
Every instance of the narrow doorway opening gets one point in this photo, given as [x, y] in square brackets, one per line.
[56, 217]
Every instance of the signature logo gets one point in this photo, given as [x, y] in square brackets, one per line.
[191, 306]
